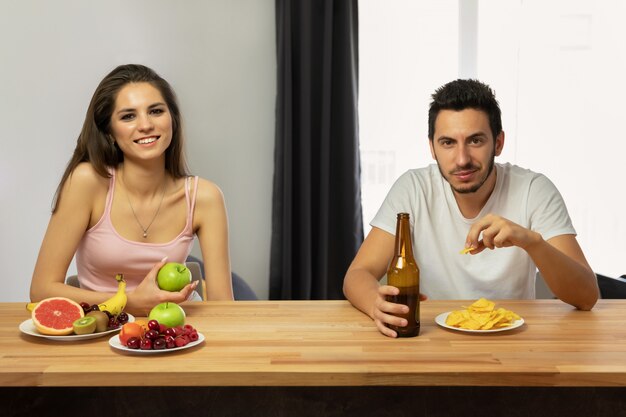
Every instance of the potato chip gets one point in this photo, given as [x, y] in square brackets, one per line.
[465, 251]
[481, 315]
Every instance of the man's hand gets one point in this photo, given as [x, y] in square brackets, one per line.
[498, 232]
[384, 312]
[560, 259]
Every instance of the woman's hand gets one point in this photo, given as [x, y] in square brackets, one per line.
[148, 294]
[386, 312]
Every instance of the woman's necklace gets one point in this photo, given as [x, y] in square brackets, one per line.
[145, 229]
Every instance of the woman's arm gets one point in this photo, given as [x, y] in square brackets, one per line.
[211, 226]
[82, 191]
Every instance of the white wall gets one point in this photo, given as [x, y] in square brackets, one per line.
[219, 55]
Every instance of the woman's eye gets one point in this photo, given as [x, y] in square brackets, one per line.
[158, 111]
[128, 116]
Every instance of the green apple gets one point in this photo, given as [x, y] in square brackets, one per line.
[173, 276]
[168, 314]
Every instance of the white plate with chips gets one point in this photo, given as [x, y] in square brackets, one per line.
[441, 320]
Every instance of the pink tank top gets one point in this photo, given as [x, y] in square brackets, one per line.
[102, 253]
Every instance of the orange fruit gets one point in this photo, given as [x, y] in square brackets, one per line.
[143, 323]
[131, 330]
[55, 316]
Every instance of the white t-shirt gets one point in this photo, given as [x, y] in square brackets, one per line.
[439, 231]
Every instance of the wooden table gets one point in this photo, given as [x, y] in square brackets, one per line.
[324, 344]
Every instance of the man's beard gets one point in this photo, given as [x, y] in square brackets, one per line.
[473, 188]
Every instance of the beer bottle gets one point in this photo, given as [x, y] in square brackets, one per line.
[404, 274]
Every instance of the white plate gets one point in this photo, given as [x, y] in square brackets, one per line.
[28, 327]
[115, 343]
[441, 320]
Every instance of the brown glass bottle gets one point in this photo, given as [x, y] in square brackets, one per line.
[404, 274]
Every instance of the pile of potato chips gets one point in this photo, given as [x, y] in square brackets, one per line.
[481, 315]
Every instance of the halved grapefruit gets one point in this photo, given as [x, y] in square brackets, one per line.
[55, 316]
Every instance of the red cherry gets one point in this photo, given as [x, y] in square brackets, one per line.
[122, 318]
[133, 343]
[170, 342]
[152, 334]
[154, 325]
[158, 344]
[145, 344]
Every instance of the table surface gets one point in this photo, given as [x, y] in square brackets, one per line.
[330, 343]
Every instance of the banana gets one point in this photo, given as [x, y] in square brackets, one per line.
[115, 305]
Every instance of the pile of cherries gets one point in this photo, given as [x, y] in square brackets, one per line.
[162, 337]
[114, 321]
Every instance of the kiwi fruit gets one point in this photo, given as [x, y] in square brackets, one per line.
[84, 325]
[102, 320]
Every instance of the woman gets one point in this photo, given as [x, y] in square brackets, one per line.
[125, 203]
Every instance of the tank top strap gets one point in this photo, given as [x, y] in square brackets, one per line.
[191, 202]
[109, 202]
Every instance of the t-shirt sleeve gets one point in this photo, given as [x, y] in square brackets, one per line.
[547, 210]
[400, 199]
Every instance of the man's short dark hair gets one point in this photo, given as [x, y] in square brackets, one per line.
[465, 94]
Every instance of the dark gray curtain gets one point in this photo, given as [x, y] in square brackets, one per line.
[316, 217]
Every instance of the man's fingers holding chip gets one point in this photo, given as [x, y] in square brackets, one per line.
[494, 231]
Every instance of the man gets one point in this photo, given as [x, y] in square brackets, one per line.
[467, 200]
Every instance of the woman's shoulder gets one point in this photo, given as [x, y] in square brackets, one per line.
[85, 171]
[209, 203]
[86, 178]
[208, 191]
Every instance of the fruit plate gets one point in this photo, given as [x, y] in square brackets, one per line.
[27, 327]
[441, 320]
[115, 343]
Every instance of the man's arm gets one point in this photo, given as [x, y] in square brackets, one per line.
[559, 259]
[361, 283]
[564, 268]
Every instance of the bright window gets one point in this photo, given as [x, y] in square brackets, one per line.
[558, 69]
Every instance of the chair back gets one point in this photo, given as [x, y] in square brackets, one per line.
[241, 290]
[196, 275]
[611, 287]
[73, 281]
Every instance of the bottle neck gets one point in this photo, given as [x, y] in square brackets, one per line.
[404, 246]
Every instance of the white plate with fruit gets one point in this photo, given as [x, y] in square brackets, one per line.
[63, 320]
[156, 338]
[114, 342]
[28, 327]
